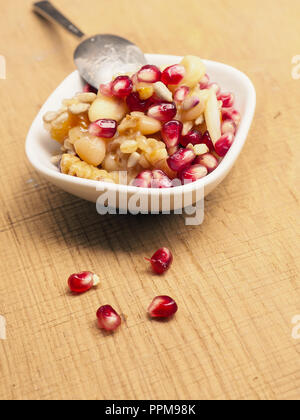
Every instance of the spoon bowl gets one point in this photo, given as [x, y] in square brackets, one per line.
[100, 57]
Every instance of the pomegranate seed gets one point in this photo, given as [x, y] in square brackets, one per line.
[236, 116]
[204, 82]
[192, 137]
[190, 103]
[106, 89]
[162, 307]
[143, 180]
[122, 86]
[181, 93]
[228, 126]
[226, 114]
[173, 75]
[224, 143]
[163, 112]
[208, 160]
[160, 180]
[103, 128]
[82, 282]
[206, 139]
[161, 260]
[193, 173]
[215, 87]
[172, 150]
[171, 132]
[134, 103]
[135, 79]
[149, 74]
[181, 159]
[227, 99]
[152, 179]
[231, 114]
[108, 318]
[153, 100]
[88, 88]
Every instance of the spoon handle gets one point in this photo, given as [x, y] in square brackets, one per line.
[48, 11]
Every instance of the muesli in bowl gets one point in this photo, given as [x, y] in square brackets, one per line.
[162, 127]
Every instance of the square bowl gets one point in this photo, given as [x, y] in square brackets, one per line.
[40, 147]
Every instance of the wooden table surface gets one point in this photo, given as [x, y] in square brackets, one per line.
[235, 278]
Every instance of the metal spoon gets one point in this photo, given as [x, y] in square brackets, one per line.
[100, 57]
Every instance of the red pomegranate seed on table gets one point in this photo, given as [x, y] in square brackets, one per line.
[181, 93]
[89, 89]
[192, 173]
[224, 143]
[228, 126]
[143, 180]
[122, 86]
[208, 160]
[181, 159]
[163, 112]
[161, 260]
[173, 75]
[206, 139]
[149, 74]
[82, 282]
[162, 307]
[134, 103]
[160, 180]
[106, 89]
[103, 128]
[227, 99]
[192, 137]
[204, 82]
[171, 133]
[108, 318]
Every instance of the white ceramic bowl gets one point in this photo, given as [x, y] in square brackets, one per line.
[40, 147]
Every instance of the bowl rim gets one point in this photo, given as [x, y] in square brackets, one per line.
[223, 168]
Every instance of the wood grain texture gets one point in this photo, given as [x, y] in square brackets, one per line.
[236, 277]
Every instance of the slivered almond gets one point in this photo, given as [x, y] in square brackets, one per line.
[87, 97]
[163, 92]
[213, 117]
[187, 126]
[50, 116]
[79, 108]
